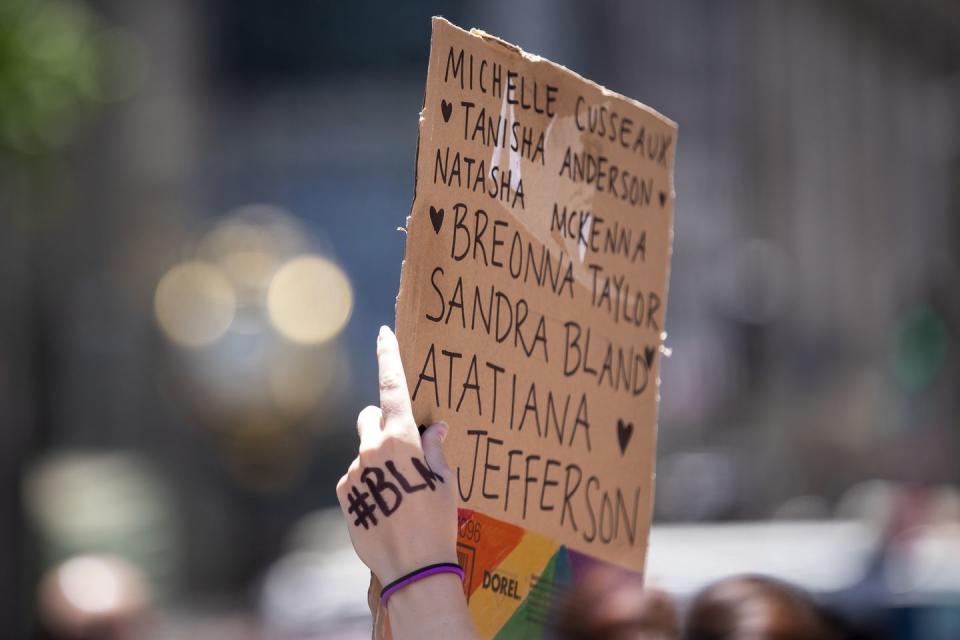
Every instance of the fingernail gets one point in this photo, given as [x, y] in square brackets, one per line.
[443, 428]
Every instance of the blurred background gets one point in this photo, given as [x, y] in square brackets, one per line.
[182, 182]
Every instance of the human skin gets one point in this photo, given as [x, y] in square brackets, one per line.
[419, 526]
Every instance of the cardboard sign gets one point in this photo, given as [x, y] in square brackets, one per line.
[531, 313]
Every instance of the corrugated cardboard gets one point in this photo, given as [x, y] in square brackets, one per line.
[531, 313]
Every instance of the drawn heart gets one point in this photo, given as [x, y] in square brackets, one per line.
[648, 353]
[436, 217]
[663, 199]
[624, 433]
[446, 109]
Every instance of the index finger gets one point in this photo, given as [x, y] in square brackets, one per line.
[394, 397]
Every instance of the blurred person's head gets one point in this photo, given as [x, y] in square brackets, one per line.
[92, 598]
[608, 604]
[754, 608]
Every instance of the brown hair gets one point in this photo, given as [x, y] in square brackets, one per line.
[754, 608]
[610, 605]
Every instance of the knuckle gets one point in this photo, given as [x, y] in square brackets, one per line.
[396, 434]
[353, 469]
[396, 411]
[391, 381]
[369, 417]
[368, 449]
[368, 413]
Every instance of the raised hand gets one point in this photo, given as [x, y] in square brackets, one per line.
[401, 507]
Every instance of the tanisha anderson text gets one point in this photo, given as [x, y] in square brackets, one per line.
[535, 484]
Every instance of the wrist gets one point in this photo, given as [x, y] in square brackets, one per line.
[418, 575]
[403, 564]
[434, 607]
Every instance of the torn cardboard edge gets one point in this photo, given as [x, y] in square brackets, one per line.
[416, 293]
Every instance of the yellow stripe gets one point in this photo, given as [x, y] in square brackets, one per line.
[491, 610]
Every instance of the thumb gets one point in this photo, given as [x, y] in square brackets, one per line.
[433, 439]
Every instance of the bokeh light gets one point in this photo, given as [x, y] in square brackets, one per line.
[89, 584]
[195, 303]
[310, 300]
[250, 244]
[89, 593]
[266, 308]
[116, 512]
[319, 583]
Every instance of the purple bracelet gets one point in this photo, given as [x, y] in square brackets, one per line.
[419, 574]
